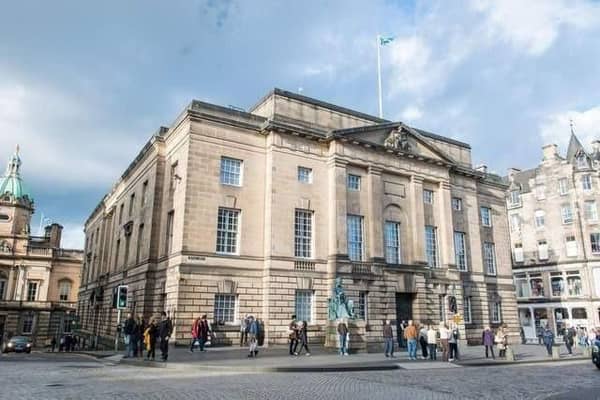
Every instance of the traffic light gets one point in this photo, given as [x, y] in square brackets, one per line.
[122, 297]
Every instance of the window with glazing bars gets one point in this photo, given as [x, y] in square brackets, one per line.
[363, 296]
[303, 233]
[460, 250]
[496, 312]
[304, 175]
[32, 288]
[304, 305]
[431, 246]
[467, 310]
[231, 171]
[392, 243]
[225, 308]
[227, 231]
[489, 258]
[355, 237]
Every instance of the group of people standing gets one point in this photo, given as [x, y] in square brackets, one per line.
[429, 338]
[139, 335]
[499, 338]
[252, 334]
[572, 337]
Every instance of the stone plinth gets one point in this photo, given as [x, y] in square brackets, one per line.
[358, 336]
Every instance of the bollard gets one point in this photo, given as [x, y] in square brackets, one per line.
[510, 356]
[555, 352]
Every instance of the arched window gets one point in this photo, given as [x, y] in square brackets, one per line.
[64, 289]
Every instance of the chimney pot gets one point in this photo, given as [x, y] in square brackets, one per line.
[550, 152]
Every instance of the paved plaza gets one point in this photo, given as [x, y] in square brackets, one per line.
[78, 376]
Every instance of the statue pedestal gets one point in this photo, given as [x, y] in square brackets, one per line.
[358, 336]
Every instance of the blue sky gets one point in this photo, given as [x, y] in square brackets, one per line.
[84, 84]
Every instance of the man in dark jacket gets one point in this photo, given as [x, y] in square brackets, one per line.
[164, 333]
[569, 339]
[129, 332]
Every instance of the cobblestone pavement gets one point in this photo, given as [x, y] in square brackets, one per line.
[72, 377]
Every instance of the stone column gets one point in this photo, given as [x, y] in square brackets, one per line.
[446, 231]
[417, 217]
[375, 216]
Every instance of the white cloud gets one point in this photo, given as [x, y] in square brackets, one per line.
[411, 114]
[555, 129]
[72, 236]
[61, 143]
[534, 25]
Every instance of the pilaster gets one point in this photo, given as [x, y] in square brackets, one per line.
[446, 233]
[375, 217]
[417, 219]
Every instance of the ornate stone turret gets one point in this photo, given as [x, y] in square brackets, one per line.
[12, 187]
[16, 202]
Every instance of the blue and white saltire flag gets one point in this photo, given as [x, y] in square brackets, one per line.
[386, 40]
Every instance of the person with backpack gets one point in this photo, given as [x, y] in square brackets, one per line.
[453, 343]
[129, 338]
[569, 338]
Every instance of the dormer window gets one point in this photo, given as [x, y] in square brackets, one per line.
[515, 198]
[582, 161]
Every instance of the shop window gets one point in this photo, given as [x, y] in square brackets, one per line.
[579, 313]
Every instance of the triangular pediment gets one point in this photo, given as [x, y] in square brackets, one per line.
[398, 137]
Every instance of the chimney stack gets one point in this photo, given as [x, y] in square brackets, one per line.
[596, 146]
[550, 152]
[53, 233]
[481, 168]
[512, 172]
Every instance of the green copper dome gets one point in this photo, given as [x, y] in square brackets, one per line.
[12, 183]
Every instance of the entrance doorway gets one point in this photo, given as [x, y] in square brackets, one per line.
[404, 307]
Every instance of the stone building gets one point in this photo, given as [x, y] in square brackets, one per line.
[555, 237]
[229, 213]
[39, 280]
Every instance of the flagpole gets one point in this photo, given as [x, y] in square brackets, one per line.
[379, 76]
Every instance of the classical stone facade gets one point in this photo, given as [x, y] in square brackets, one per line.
[39, 280]
[555, 237]
[229, 213]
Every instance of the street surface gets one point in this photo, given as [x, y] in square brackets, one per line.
[71, 376]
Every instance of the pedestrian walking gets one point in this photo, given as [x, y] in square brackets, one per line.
[410, 334]
[303, 338]
[401, 325]
[444, 335]
[342, 330]
[252, 337]
[195, 334]
[487, 338]
[150, 335]
[128, 332]
[432, 342]
[591, 337]
[388, 339]
[53, 343]
[548, 339]
[453, 343]
[244, 326]
[293, 335]
[569, 338]
[423, 342]
[165, 329]
[540, 335]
